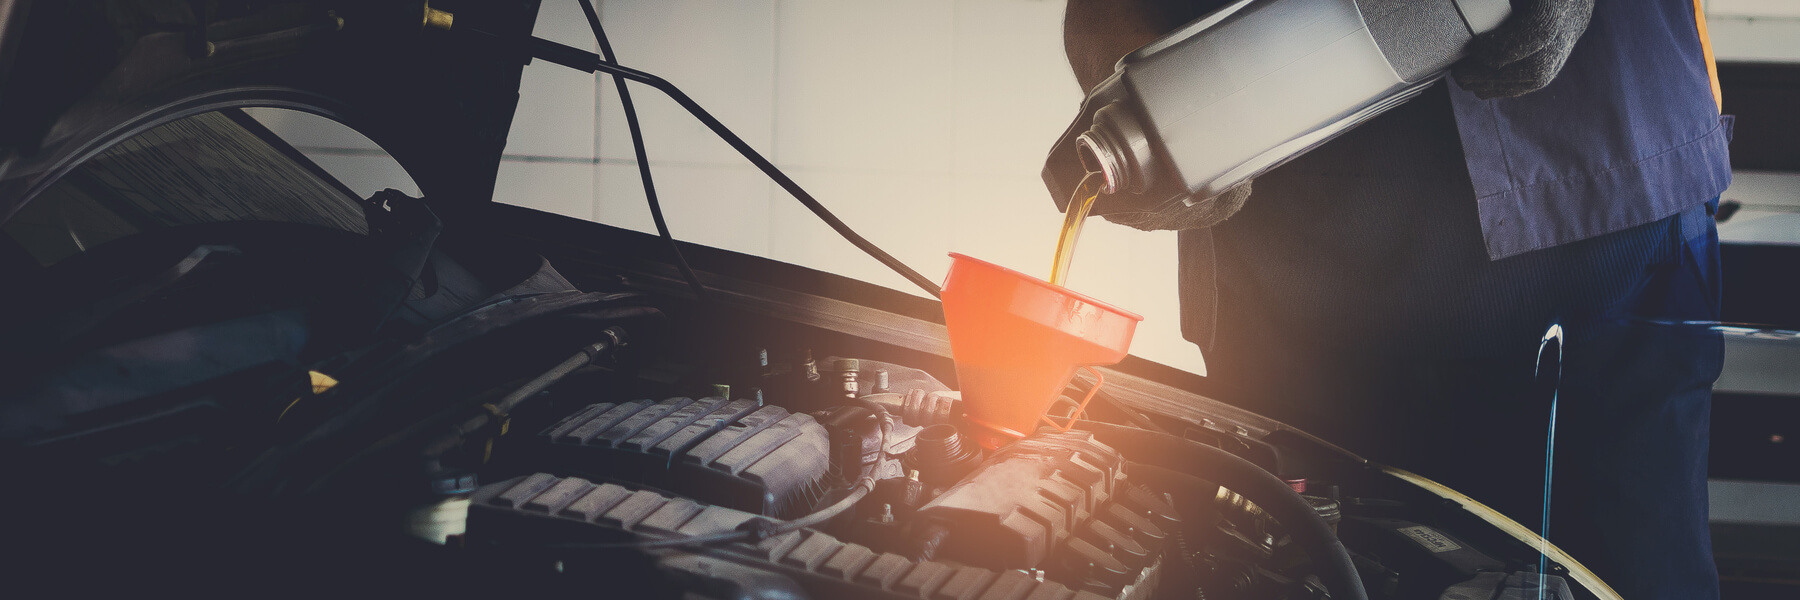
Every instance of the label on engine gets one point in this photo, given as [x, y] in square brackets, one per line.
[1430, 538]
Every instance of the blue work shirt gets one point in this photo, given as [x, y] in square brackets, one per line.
[1451, 197]
[1627, 133]
[1388, 291]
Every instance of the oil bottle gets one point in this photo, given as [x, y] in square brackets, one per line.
[1250, 86]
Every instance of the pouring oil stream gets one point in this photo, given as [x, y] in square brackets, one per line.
[1079, 204]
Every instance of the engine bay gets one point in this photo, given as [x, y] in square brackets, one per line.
[504, 432]
[1058, 514]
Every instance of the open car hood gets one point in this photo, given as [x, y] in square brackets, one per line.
[76, 77]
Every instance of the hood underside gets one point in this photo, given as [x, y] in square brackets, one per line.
[76, 77]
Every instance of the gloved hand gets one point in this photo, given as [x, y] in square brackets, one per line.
[1526, 51]
[1179, 215]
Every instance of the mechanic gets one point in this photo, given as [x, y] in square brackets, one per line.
[1388, 291]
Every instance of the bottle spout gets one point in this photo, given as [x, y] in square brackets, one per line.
[1116, 147]
[1098, 160]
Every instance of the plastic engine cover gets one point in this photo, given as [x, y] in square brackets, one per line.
[533, 510]
[1056, 501]
[736, 454]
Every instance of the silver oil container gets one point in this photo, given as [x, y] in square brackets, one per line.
[1249, 87]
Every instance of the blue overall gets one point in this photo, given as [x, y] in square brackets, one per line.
[1388, 290]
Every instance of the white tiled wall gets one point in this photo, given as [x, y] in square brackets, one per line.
[1770, 212]
[921, 123]
[1754, 30]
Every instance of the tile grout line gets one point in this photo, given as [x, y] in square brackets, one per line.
[955, 123]
[594, 174]
[769, 187]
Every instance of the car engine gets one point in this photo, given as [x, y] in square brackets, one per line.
[495, 430]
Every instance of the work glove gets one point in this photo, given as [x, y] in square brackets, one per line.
[1525, 52]
[1178, 215]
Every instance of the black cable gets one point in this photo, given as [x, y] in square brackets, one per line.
[577, 58]
[753, 530]
[643, 158]
[500, 408]
[773, 172]
[735, 535]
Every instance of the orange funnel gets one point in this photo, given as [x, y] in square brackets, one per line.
[1018, 339]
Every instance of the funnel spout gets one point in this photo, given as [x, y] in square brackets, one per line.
[1017, 341]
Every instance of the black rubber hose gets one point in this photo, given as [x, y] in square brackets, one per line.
[328, 447]
[880, 412]
[819, 517]
[588, 354]
[643, 157]
[1164, 459]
